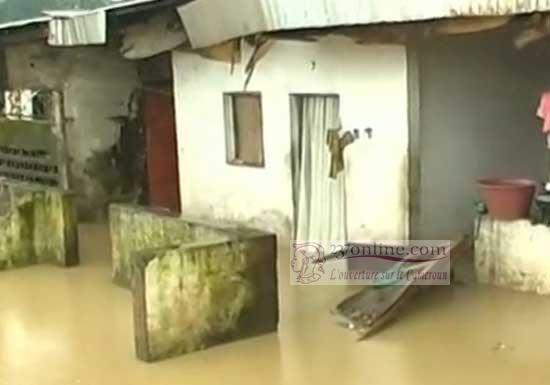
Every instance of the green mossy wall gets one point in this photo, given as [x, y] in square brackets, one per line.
[195, 296]
[37, 225]
[134, 228]
[194, 285]
[199, 295]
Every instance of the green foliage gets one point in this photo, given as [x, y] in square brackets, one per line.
[11, 10]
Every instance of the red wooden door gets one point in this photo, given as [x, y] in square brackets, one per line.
[162, 151]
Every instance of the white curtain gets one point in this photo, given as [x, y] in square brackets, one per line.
[320, 202]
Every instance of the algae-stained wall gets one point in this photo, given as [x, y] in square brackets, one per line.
[213, 296]
[97, 84]
[198, 295]
[37, 225]
[194, 284]
[134, 229]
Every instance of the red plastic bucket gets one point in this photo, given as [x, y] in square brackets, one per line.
[508, 199]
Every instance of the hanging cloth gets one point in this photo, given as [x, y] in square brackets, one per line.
[321, 201]
[336, 147]
[543, 112]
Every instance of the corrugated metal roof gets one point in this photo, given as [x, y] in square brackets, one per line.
[14, 10]
[77, 28]
[210, 22]
[74, 27]
[24, 23]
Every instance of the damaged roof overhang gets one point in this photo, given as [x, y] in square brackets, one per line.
[85, 27]
[210, 22]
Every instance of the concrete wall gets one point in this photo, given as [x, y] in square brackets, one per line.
[372, 85]
[191, 297]
[135, 228]
[478, 98]
[513, 255]
[194, 284]
[97, 85]
[97, 92]
[37, 225]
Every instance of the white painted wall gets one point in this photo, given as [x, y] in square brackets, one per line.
[372, 85]
[513, 255]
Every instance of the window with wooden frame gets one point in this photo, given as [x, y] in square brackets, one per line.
[243, 129]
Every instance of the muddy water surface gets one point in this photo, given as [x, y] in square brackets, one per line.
[74, 327]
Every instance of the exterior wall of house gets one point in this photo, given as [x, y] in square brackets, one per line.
[478, 98]
[97, 85]
[372, 85]
[97, 103]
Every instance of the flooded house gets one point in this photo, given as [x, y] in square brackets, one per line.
[219, 135]
[432, 107]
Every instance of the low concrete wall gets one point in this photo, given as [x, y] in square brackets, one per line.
[514, 255]
[134, 228]
[196, 296]
[194, 285]
[37, 225]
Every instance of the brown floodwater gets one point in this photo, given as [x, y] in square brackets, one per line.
[74, 326]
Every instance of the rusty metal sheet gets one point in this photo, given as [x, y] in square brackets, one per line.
[210, 22]
[373, 308]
